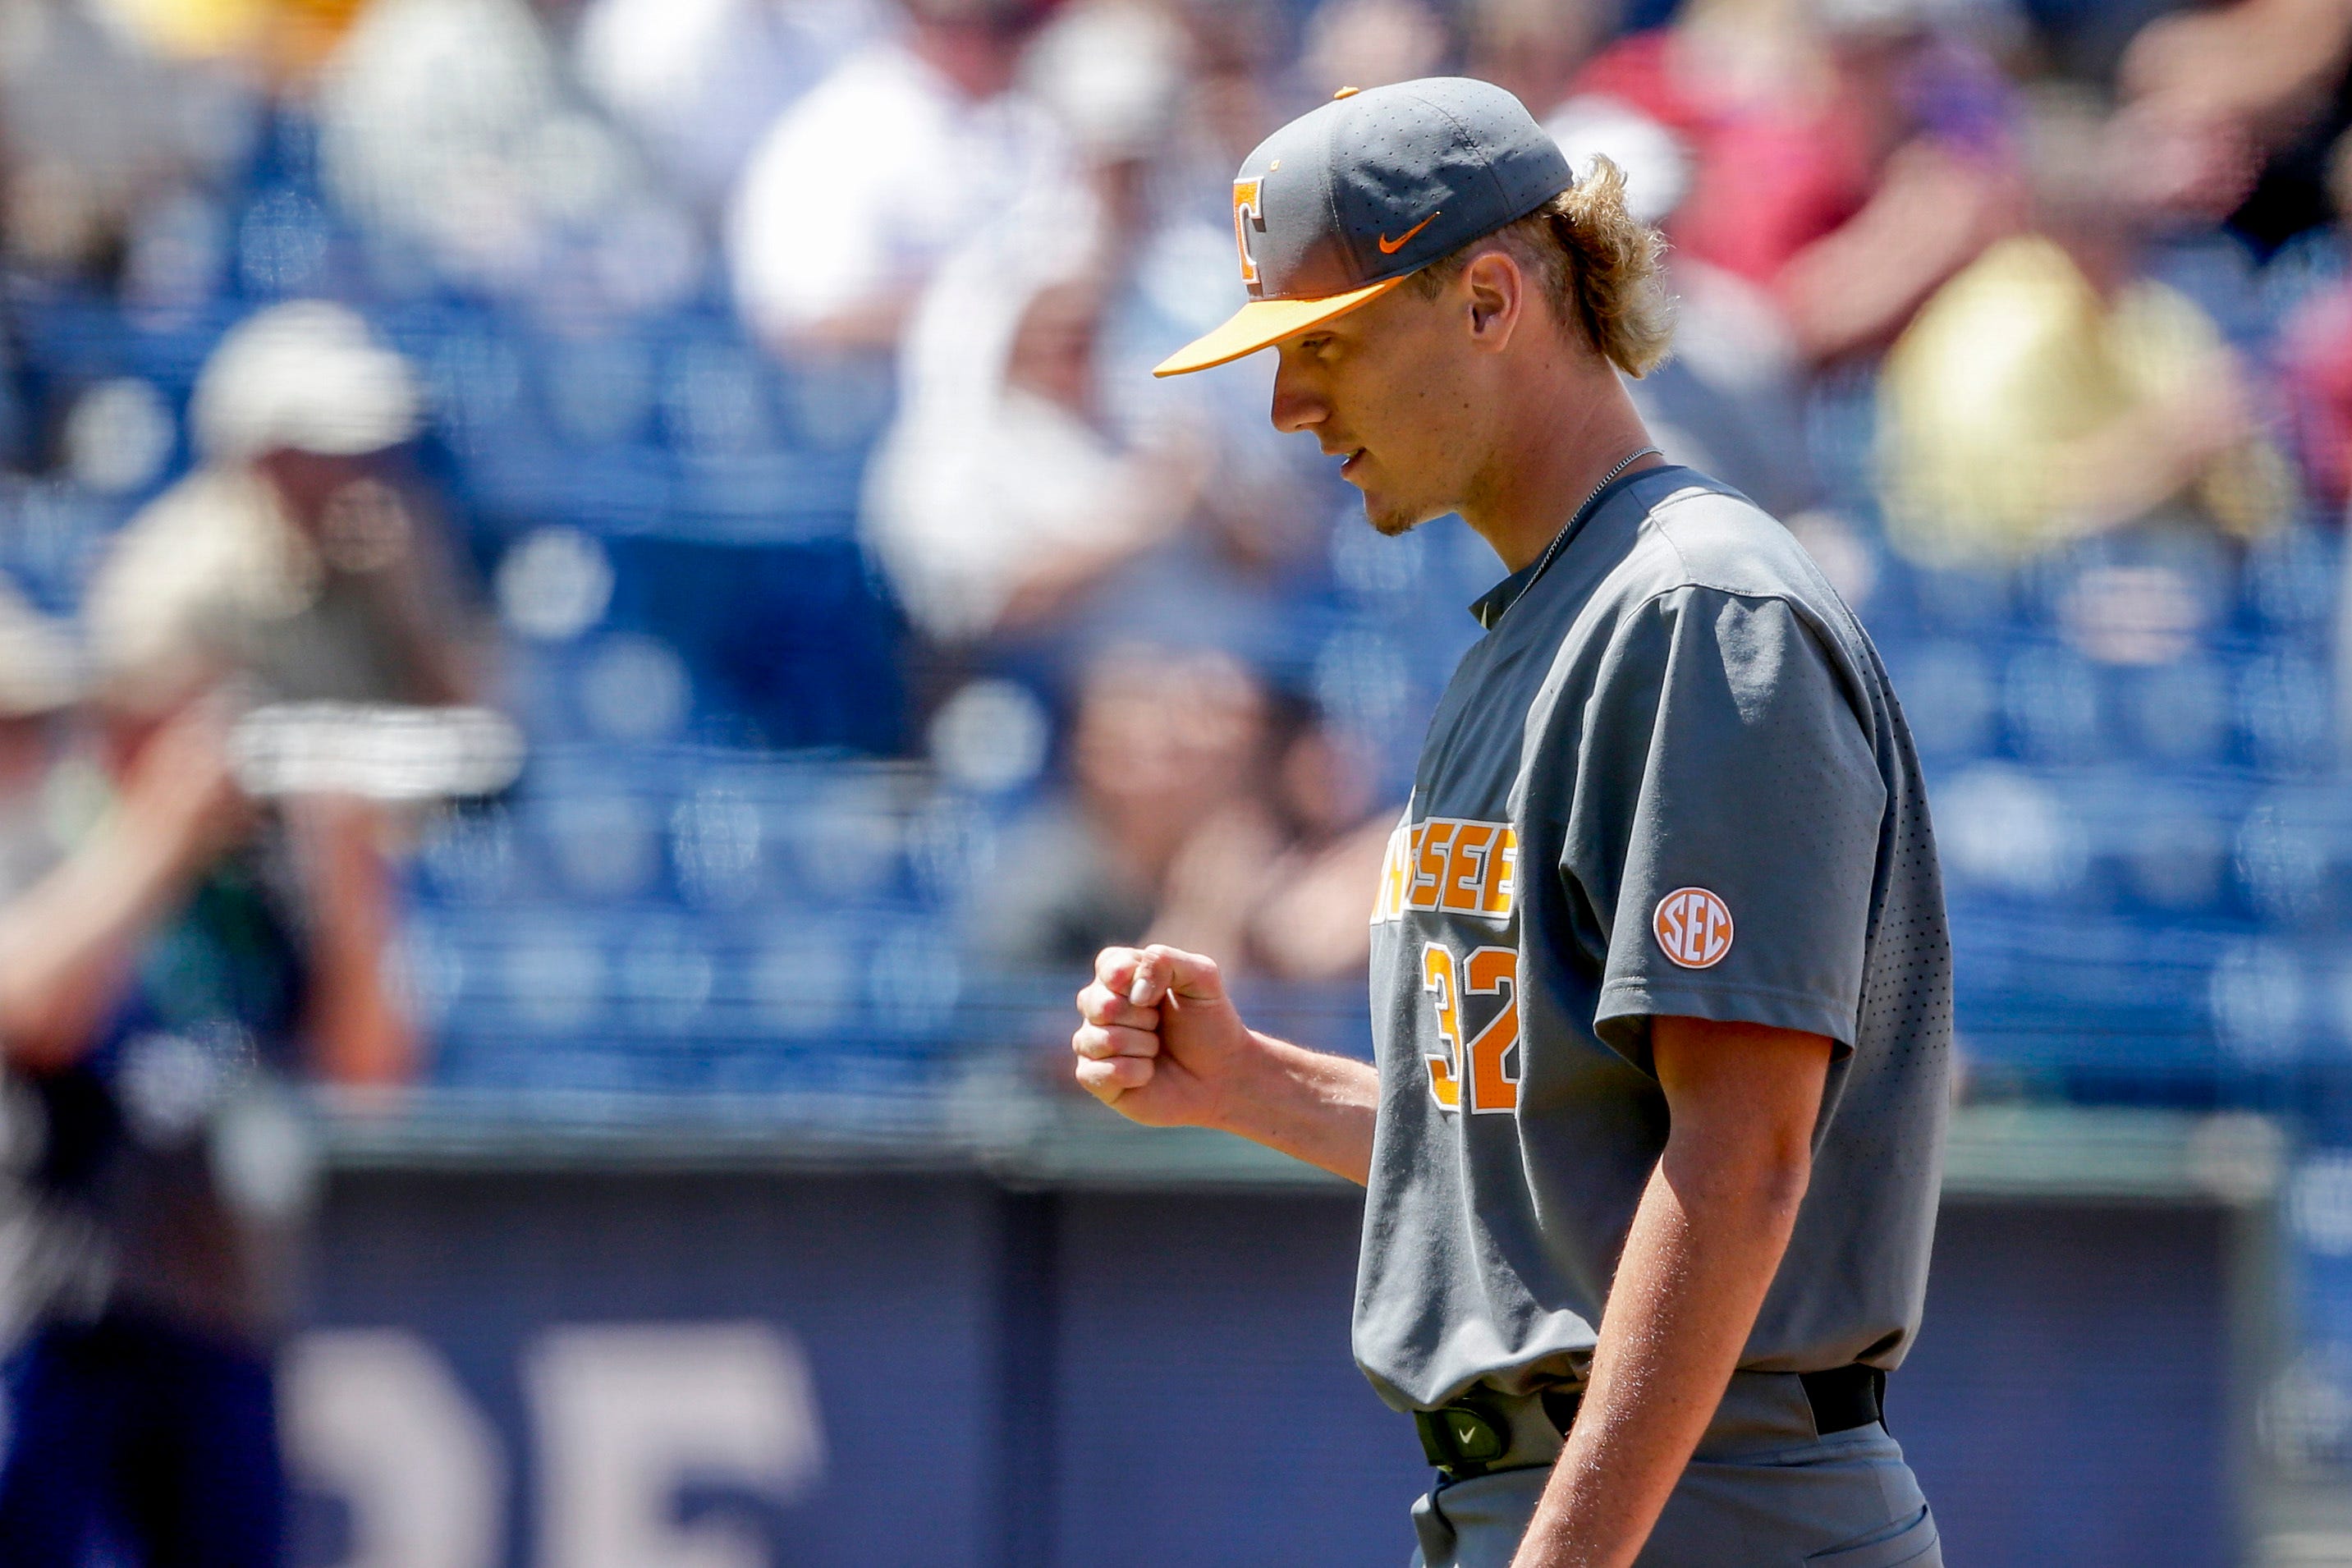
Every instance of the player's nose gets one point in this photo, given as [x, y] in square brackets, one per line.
[1296, 406]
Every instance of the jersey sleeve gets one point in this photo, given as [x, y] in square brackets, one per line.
[1722, 840]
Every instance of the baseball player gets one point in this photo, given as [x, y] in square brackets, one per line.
[1661, 986]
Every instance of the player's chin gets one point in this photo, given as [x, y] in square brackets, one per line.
[1389, 516]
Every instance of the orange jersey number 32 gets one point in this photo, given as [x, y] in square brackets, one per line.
[1484, 1067]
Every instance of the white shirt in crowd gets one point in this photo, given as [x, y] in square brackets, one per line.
[701, 81]
[873, 175]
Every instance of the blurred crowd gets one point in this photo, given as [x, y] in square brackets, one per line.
[2085, 260]
[1964, 285]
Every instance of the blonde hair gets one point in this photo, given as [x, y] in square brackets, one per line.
[1600, 266]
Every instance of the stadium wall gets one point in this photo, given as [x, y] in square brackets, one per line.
[612, 1358]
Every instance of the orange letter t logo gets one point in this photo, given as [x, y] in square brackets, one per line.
[1247, 216]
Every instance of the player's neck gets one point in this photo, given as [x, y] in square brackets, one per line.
[1553, 445]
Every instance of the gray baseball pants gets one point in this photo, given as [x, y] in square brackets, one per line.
[1762, 1491]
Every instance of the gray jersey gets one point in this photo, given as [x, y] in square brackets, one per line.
[1671, 779]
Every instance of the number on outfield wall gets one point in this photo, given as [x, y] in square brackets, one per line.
[376, 1418]
[628, 1414]
[1491, 1078]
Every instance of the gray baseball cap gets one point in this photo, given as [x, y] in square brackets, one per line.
[1347, 201]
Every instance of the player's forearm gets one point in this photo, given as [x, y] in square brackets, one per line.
[1162, 1044]
[1704, 1247]
[1307, 1104]
[65, 944]
[358, 1029]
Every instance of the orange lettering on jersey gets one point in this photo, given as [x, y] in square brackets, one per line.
[1389, 903]
[1438, 978]
[1467, 864]
[1502, 893]
[1411, 852]
[1451, 864]
[1428, 862]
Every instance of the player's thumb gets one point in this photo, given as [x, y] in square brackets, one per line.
[1162, 970]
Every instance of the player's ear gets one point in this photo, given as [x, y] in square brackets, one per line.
[1494, 296]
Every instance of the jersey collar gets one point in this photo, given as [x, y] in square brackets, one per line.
[1488, 607]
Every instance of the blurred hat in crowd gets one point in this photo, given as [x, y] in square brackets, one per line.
[41, 669]
[1006, 17]
[1370, 43]
[305, 376]
[1866, 19]
[1113, 74]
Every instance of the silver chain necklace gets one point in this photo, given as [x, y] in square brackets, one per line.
[1543, 562]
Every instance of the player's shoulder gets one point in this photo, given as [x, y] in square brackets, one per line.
[1690, 533]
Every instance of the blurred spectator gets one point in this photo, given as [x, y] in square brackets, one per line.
[1282, 875]
[447, 126]
[1013, 505]
[908, 147]
[1846, 159]
[296, 555]
[1370, 43]
[1160, 740]
[1534, 48]
[1201, 809]
[98, 132]
[196, 947]
[1238, 49]
[1003, 490]
[1034, 456]
[152, 988]
[281, 40]
[2314, 350]
[2052, 389]
[1000, 496]
[1127, 83]
[700, 81]
[39, 680]
[1731, 399]
[2241, 103]
[1113, 74]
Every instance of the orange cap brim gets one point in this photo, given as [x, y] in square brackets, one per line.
[1261, 323]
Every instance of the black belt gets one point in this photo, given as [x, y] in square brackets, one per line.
[1465, 1437]
[1845, 1397]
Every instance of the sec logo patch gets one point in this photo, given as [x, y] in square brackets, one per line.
[1694, 926]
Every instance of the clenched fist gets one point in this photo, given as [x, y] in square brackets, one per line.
[1161, 1042]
